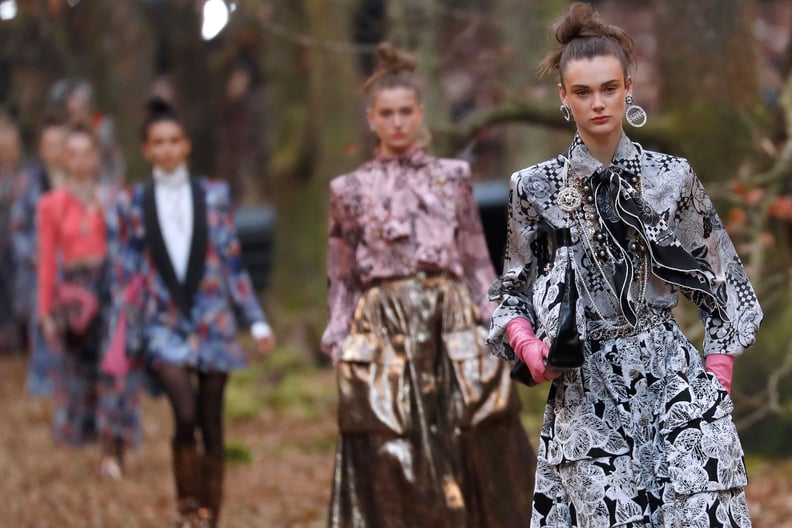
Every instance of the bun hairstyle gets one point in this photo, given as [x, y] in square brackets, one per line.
[395, 69]
[582, 34]
[158, 109]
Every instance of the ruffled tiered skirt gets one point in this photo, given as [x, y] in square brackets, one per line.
[640, 436]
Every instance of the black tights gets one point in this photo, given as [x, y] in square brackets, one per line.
[192, 410]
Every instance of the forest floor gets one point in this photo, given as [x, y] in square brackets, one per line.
[280, 435]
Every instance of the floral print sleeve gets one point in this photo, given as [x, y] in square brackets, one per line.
[702, 234]
[344, 286]
[512, 290]
[22, 232]
[23, 225]
[473, 250]
[124, 243]
[239, 284]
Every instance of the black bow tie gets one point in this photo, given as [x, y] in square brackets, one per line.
[623, 211]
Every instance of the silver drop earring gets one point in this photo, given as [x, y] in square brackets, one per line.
[635, 115]
[566, 113]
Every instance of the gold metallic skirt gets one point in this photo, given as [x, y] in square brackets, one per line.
[429, 419]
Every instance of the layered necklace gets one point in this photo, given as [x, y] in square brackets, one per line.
[578, 198]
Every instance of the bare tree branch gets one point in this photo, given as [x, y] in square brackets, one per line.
[454, 137]
[264, 15]
[770, 402]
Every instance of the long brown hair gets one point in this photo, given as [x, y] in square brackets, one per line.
[582, 34]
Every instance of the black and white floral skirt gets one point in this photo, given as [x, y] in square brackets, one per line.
[640, 436]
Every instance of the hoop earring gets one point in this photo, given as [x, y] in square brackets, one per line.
[566, 113]
[634, 114]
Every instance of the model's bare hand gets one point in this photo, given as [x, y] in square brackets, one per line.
[265, 345]
[50, 331]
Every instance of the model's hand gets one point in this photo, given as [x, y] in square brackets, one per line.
[531, 351]
[50, 331]
[265, 345]
[722, 366]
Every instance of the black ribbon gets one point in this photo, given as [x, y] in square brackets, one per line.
[622, 210]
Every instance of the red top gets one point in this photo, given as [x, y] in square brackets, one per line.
[69, 229]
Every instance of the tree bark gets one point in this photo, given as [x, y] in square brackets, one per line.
[317, 115]
[708, 80]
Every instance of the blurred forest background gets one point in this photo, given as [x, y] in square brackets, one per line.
[273, 104]
[270, 92]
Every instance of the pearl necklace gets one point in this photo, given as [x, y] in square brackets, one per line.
[576, 198]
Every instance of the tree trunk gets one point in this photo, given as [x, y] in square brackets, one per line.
[708, 79]
[317, 114]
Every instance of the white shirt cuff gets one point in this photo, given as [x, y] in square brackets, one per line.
[260, 330]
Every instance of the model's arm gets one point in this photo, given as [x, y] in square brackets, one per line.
[476, 262]
[124, 245]
[240, 287]
[22, 225]
[512, 290]
[47, 248]
[344, 288]
[731, 326]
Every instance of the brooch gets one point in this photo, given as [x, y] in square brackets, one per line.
[569, 199]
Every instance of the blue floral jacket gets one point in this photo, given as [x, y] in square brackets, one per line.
[190, 323]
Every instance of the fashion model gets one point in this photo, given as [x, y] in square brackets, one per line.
[601, 240]
[428, 419]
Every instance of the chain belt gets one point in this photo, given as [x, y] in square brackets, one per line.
[600, 330]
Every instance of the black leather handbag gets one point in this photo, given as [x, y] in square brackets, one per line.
[566, 350]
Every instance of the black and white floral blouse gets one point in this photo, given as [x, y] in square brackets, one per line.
[642, 230]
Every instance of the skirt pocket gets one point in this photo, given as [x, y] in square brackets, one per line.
[703, 449]
[373, 389]
[482, 379]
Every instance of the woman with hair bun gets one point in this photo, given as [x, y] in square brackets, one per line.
[429, 427]
[179, 242]
[637, 429]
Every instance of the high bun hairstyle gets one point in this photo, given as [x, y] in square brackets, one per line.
[582, 34]
[395, 69]
[157, 110]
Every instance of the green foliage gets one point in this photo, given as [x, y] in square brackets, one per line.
[303, 394]
[284, 382]
[770, 435]
[533, 401]
[241, 398]
[238, 453]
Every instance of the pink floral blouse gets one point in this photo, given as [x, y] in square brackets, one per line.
[393, 217]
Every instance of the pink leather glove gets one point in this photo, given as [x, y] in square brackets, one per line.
[722, 366]
[532, 351]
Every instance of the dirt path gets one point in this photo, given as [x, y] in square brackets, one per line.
[286, 484]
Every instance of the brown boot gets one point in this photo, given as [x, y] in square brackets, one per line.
[187, 476]
[212, 489]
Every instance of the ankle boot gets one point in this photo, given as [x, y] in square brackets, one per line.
[187, 477]
[112, 465]
[212, 489]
